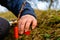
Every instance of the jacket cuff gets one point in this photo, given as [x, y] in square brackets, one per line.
[25, 12]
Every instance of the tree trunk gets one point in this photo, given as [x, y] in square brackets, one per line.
[51, 1]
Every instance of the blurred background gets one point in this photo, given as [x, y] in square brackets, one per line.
[41, 5]
[45, 4]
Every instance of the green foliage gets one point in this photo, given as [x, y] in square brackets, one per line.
[47, 35]
[57, 38]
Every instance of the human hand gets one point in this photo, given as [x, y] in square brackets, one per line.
[25, 22]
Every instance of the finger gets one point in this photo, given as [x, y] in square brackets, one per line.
[19, 25]
[22, 24]
[34, 23]
[27, 25]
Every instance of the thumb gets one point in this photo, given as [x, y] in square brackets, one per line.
[34, 23]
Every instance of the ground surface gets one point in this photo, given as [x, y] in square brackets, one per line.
[48, 27]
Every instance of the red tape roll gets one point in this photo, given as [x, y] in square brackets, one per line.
[16, 32]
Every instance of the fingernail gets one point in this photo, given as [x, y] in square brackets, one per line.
[21, 32]
[26, 30]
[33, 27]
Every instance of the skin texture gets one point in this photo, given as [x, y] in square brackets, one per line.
[25, 22]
